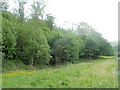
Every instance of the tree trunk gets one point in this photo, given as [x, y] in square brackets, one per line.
[31, 61]
[21, 11]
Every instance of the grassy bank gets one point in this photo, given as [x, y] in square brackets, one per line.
[99, 73]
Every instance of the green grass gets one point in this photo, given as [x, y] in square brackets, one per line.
[99, 73]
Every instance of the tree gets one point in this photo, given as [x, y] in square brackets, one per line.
[9, 34]
[32, 46]
[38, 9]
[95, 44]
[85, 30]
[67, 48]
[50, 21]
[91, 47]
[105, 48]
[4, 5]
[21, 9]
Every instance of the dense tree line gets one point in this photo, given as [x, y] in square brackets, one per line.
[38, 41]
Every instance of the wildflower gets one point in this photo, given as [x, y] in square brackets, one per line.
[14, 73]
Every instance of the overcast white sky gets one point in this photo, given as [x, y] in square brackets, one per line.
[102, 15]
